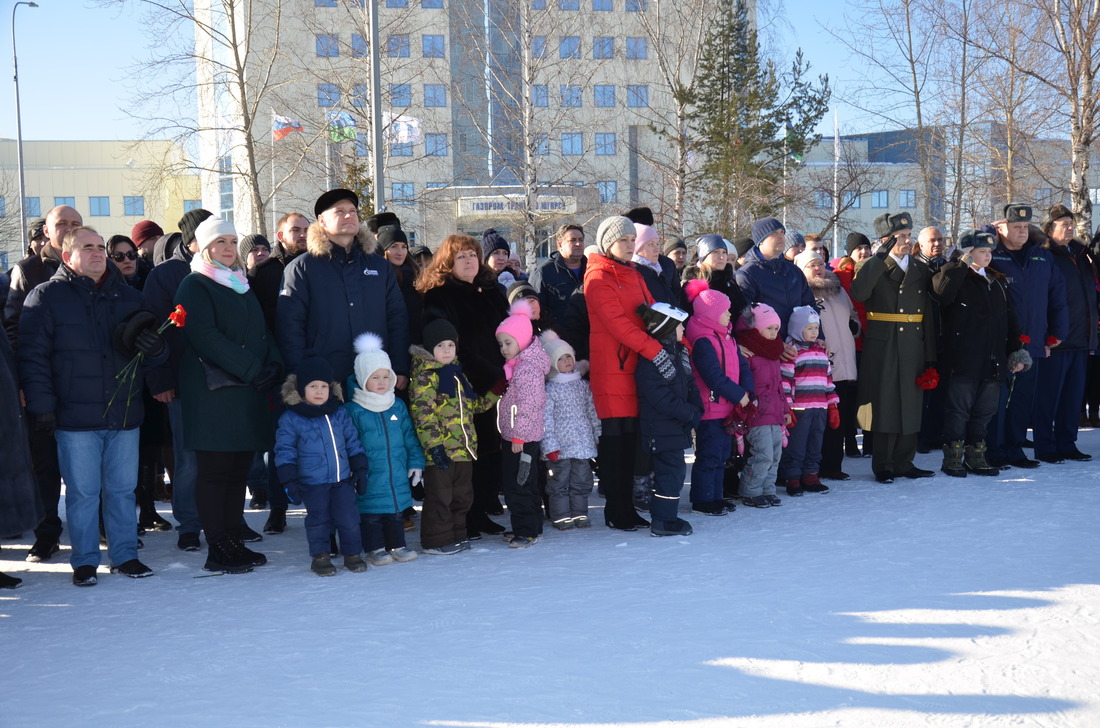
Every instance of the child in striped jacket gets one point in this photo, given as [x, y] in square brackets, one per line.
[808, 384]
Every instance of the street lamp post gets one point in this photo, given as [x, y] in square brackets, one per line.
[19, 128]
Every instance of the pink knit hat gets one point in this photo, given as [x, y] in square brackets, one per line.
[518, 323]
[645, 235]
[707, 305]
[764, 316]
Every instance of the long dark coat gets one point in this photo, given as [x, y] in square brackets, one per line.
[894, 354]
[979, 322]
[20, 507]
[475, 310]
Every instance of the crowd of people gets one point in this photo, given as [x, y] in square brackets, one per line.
[340, 368]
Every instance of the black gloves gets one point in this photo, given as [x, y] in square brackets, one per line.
[44, 423]
[664, 365]
[440, 458]
[360, 482]
[268, 376]
[149, 343]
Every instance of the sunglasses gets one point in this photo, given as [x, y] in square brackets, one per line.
[119, 257]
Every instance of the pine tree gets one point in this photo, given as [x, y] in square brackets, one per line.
[747, 117]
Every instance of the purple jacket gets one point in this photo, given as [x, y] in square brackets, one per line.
[771, 403]
[521, 412]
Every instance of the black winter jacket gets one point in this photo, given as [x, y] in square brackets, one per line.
[555, 284]
[475, 310]
[159, 296]
[777, 282]
[1077, 268]
[669, 410]
[979, 320]
[27, 274]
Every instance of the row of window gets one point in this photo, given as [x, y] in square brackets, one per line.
[404, 193]
[603, 47]
[434, 46]
[604, 96]
[631, 6]
[605, 144]
[880, 199]
[430, 4]
[97, 206]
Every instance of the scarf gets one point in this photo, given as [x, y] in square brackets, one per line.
[371, 401]
[228, 277]
[560, 377]
[755, 342]
[639, 260]
[447, 385]
[305, 409]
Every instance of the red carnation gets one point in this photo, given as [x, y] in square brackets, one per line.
[928, 379]
[178, 317]
[1025, 339]
[1052, 341]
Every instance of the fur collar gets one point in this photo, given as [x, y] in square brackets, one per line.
[291, 397]
[825, 287]
[318, 244]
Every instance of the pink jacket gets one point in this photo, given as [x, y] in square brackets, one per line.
[521, 412]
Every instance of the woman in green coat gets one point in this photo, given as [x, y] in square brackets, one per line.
[227, 372]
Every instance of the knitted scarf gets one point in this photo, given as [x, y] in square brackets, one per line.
[228, 277]
[447, 386]
[305, 409]
[755, 342]
[373, 402]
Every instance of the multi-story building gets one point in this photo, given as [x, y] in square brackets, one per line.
[113, 184]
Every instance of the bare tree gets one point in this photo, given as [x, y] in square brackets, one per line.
[812, 191]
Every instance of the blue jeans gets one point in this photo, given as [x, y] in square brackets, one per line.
[712, 450]
[94, 463]
[184, 475]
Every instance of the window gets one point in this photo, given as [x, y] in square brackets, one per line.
[431, 4]
[850, 200]
[637, 48]
[538, 4]
[70, 201]
[635, 6]
[1044, 196]
[569, 4]
[32, 206]
[604, 96]
[435, 186]
[907, 198]
[358, 46]
[360, 92]
[435, 145]
[323, 4]
[609, 191]
[225, 192]
[397, 46]
[397, 3]
[880, 199]
[603, 47]
[605, 144]
[401, 193]
[637, 97]
[542, 145]
[602, 5]
[572, 144]
[361, 147]
[538, 46]
[400, 94]
[822, 200]
[3, 207]
[540, 95]
[401, 149]
[133, 206]
[433, 47]
[328, 45]
[327, 95]
[571, 96]
[99, 206]
[189, 205]
[570, 47]
[435, 95]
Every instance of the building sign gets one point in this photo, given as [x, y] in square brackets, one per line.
[498, 205]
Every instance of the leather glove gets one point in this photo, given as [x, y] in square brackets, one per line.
[127, 332]
[294, 492]
[45, 423]
[440, 458]
[664, 365]
[149, 343]
[360, 482]
[416, 476]
[886, 247]
[268, 376]
[553, 456]
[834, 417]
[523, 472]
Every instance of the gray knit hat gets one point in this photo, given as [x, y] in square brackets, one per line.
[611, 229]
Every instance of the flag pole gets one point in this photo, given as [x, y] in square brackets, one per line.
[836, 180]
[376, 108]
[272, 173]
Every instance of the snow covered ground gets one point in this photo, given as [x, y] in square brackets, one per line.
[941, 602]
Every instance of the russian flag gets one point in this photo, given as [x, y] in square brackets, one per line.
[284, 125]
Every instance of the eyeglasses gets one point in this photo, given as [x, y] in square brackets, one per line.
[119, 257]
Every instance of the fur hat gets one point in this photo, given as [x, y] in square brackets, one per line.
[390, 234]
[887, 224]
[855, 240]
[380, 220]
[1015, 212]
[645, 235]
[492, 240]
[1056, 213]
[709, 243]
[640, 216]
[518, 323]
[312, 369]
[803, 259]
[211, 229]
[610, 230]
[330, 198]
[521, 289]
[191, 220]
[555, 348]
[764, 227]
[801, 317]
[248, 242]
[970, 239]
[369, 358]
[764, 316]
[438, 331]
[145, 230]
[707, 304]
[661, 319]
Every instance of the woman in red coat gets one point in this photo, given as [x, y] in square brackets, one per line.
[613, 289]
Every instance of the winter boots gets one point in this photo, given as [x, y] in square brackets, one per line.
[643, 491]
[676, 527]
[953, 459]
[224, 556]
[811, 483]
[975, 461]
[322, 565]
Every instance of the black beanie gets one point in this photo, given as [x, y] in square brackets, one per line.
[313, 369]
[381, 219]
[521, 289]
[492, 240]
[390, 234]
[742, 246]
[248, 242]
[640, 216]
[439, 330]
[855, 240]
[191, 220]
[674, 244]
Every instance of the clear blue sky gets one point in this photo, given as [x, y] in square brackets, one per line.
[74, 60]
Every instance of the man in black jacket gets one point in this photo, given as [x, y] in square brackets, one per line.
[558, 277]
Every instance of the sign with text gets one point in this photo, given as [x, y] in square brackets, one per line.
[497, 205]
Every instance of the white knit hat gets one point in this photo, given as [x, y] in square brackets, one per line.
[211, 229]
[370, 358]
[555, 347]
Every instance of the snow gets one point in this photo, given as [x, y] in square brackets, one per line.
[940, 602]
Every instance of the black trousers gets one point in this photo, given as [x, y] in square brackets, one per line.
[523, 499]
[47, 475]
[616, 456]
[219, 492]
[969, 405]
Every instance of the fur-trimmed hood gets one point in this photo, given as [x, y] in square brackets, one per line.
[420, 352]
[825, 287]
[317, 242]
[290, 394]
